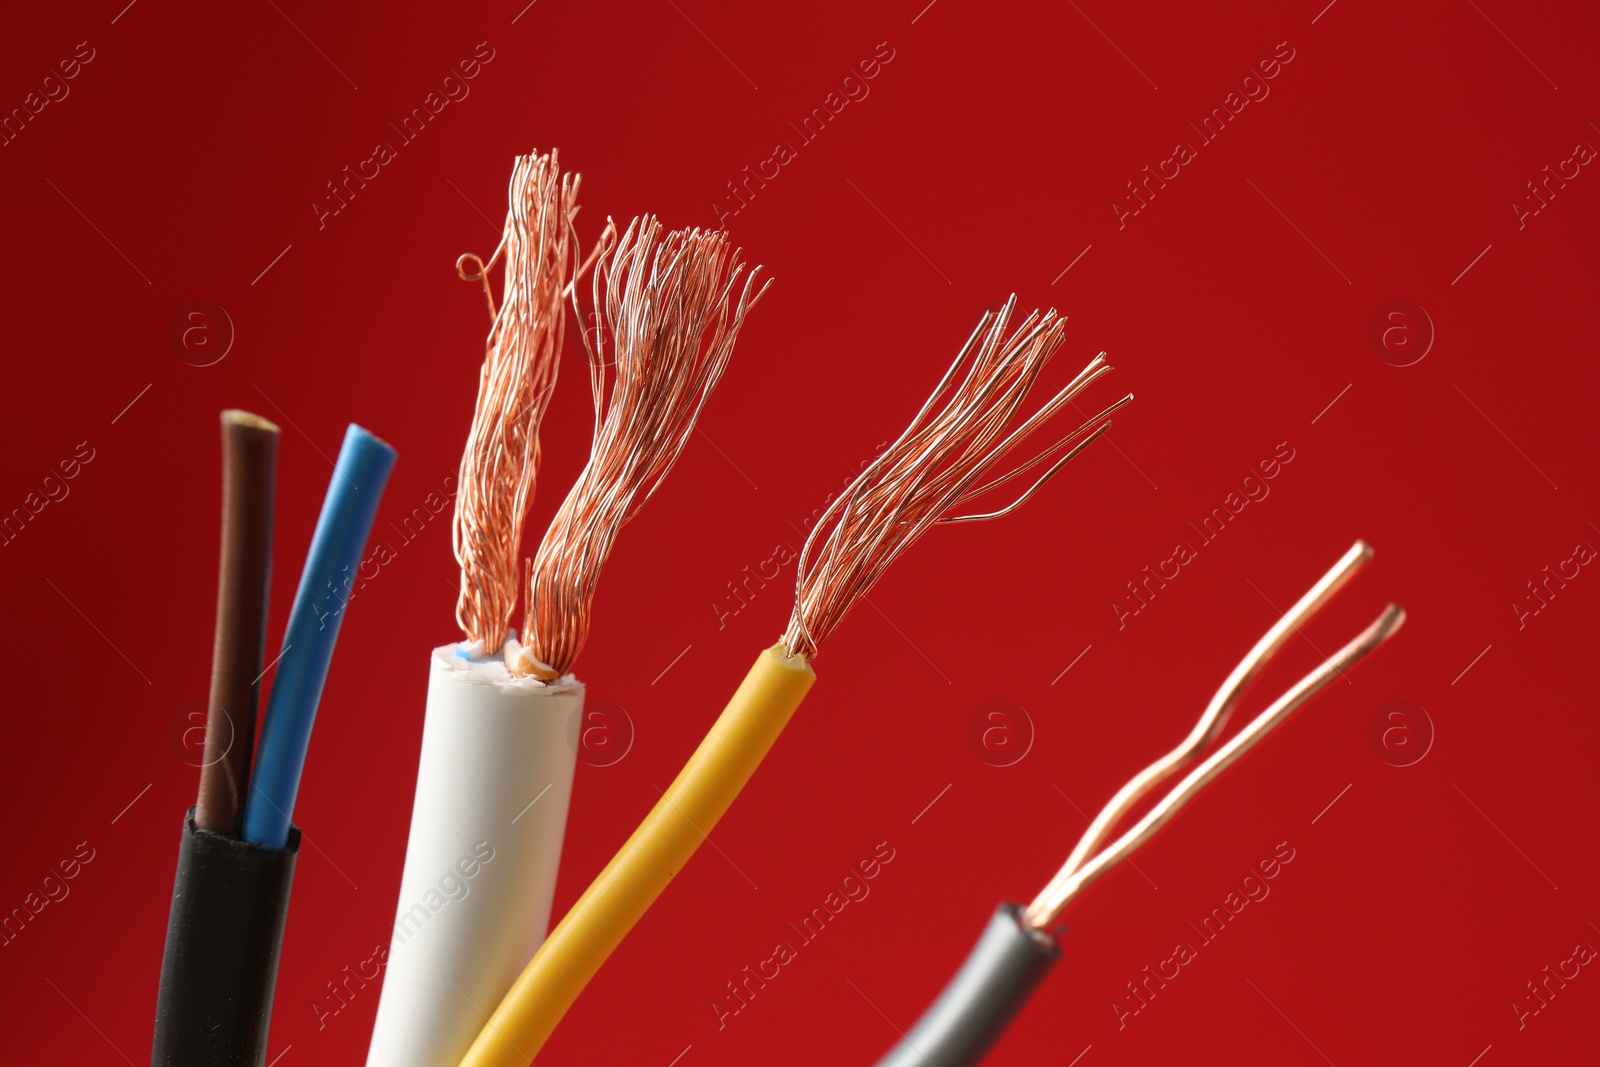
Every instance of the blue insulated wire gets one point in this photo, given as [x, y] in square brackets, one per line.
[326, 585]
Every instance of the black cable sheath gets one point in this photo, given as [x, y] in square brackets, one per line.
[977, 1005]
[229, 902]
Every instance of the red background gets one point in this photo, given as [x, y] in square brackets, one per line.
[1235, 305]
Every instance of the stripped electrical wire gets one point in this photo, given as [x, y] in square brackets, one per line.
[497, 759]
[668, 307]
[1019, 945]
[1081, 869]
[500, 464]
[945, 460]
[486, 734]
[938, 464]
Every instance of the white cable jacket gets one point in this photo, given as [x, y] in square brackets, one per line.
[491, 808]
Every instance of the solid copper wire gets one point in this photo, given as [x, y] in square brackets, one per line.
[500, 464]
[1081, 870]
[249, 479]
[939, 464]
[667, 310]
[1214, 719]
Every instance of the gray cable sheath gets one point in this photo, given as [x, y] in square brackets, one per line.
[974, 1009]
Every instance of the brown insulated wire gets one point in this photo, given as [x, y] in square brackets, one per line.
[250, 461]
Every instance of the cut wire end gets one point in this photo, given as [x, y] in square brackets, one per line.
[940, 464]
[500, 463]
[668, 307]
[1082, 868]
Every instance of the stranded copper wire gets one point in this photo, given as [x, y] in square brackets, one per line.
[500, 463]
[939, 464]
[668, 307]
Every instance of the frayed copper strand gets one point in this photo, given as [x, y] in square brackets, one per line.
[500, 464]
[667, 310]
[939, 464]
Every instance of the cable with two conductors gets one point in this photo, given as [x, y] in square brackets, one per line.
[492, 743]
[500, 735]
[231, 894]
[1019, 946]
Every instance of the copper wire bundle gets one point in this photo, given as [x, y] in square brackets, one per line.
[667, 310]
[946, 459]
[939, 464]
[500, 463]
[486, 735]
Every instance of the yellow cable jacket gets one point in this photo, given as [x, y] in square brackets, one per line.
[637, 874]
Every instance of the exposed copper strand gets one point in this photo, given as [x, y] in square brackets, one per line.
[1039, 483]
[481, 276]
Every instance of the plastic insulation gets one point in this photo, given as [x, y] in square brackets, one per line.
[249, 477]
[224, 934]
[687, 812]
[493, 785]
[325, 590]
[1000, 973]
